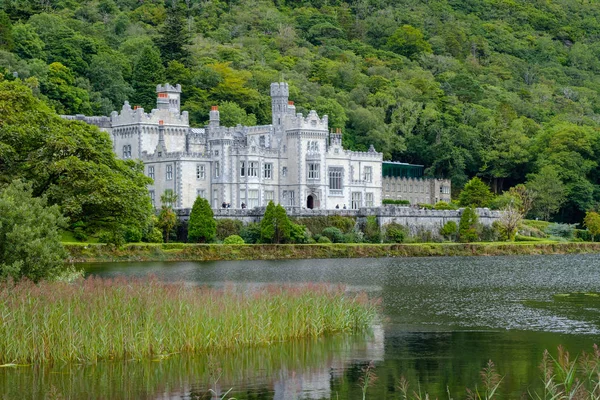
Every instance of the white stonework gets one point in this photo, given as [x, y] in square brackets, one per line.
[416, 190]
[296, 161]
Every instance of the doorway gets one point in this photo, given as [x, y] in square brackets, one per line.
[310, 202]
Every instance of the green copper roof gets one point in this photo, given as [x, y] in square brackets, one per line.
[402, 170]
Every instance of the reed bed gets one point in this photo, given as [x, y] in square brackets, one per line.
[97, 319]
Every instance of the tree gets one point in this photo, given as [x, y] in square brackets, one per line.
[174, 36]
[167, 219]
[70, 162]
[29, 235]
[6, 36]
[275, 227]
[408, 41]
[232, 114]
[548, 190]
[510, 219]
[592, 223]
[467, 228]
[65, 96]
[148, 72]
[475, 194]
[449, 230]
[201, 226]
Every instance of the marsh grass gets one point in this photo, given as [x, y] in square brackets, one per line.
[98, 319]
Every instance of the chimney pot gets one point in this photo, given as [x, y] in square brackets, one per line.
[214, 108]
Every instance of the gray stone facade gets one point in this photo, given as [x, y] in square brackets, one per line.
[416, 190]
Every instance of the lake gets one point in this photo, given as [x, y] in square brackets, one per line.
[442, 320]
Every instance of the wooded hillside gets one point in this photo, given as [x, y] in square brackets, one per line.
[502, 89]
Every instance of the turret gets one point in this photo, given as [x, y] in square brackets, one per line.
[214, 119]
[279, 103]
[168, 98]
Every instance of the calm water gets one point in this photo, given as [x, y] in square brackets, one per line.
[443, 319]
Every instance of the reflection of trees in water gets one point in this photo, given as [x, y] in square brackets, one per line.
[281, 372]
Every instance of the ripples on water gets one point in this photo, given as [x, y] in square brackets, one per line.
[444, 318]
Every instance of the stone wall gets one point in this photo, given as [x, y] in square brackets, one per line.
[415, 219]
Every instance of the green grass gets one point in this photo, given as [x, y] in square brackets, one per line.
[68, 237]
[97, 319]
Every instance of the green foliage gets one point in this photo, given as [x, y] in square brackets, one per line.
[275, 227]
[29, 235]
[251, 233]
[396, 202]
[133, 234]
[323, 240]
[371, 230]
[233, 239]
[335, 235]
[72, 163]
[565, 231]
[425, 206]
[395, 233]
[167, 220]
[201, 226]
[174, 36]
[408, 41]
[449, 230]
[232, 114]
[548, 190]
[592, 223]
[298, 234]
[227, 227]
[154, 236]
[467, 228]
[442, 205]
[148, 72]
[475, 194]
[6, 32]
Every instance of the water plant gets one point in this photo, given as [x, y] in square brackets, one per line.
[95, 319]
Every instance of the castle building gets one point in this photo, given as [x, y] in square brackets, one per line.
[402, 181]
[295, 161]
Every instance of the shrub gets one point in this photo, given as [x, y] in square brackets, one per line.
[334, 234]
[467, 228]
[442, 205]
[371, 230]
[227, 227]
[275, 226]
[449, 230]
[323, 239]
[133, 234]
[299, 234]
[79, 231]
[154, 236]
[520, 238]
[584, 235]
[425, 206]
[251, 233]
[29, 235]
[233, 239]
[201, 226]
[396, 202]
[395, 233]
[112, 237]
[561, 230]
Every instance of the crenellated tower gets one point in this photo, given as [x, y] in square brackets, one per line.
[168, 98]
[280, 93]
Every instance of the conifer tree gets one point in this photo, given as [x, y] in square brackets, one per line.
[148, 72]
[275, 227]
[201, 226]
[174, 36]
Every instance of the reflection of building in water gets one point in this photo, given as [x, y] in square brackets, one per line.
[315, 383]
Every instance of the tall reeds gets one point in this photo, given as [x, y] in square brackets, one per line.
[95, 319]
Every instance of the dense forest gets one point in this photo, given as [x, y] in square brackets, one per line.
[501, 89]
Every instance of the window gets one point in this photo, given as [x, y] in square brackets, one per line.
[243, 197]
[151, 172]
[216, 153]
[291, 198]
[268, 171]
[127, 151]
[152, 197]
[261, 141]
[356, 200]
[368, 174]
[242, 168]
[217, 169]
[269, 196]
[200, 171]
[313, 171]
[160, 153]
[368, 199]
[252, 198]
[335, 178]
[216, 198]
[284, 172]
[169, 172]
[253, 169]
[200, 193]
